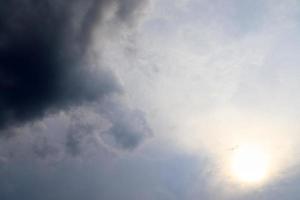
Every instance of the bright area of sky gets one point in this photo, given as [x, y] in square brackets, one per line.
[219, 83]
[219, 80]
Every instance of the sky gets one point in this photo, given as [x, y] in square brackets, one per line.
[149, 99]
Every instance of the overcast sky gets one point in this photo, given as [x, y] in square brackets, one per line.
[148, 99]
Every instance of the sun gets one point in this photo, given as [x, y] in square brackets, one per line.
[250, 164]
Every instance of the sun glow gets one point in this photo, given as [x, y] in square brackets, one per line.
[250, 164]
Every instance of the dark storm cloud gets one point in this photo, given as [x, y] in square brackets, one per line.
[43, 55]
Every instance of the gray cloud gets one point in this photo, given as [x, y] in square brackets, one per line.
[95, 178]
[128, 126]
[192, 67]
[43, 148]
[110, 123]
[44, 65]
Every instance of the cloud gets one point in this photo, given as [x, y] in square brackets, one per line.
[44, 55]
[128, 126]
[209, 76]
[112, 125]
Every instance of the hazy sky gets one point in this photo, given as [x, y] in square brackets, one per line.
[149, 99]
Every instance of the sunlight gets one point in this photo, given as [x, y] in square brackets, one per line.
[250, 164]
